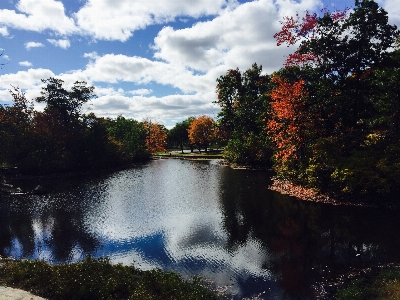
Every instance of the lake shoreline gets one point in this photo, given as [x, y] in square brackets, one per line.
[302, 193]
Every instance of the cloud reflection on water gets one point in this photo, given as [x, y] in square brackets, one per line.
[198, 218]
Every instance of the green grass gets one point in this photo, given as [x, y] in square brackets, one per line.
[99, 279]
[384, 285]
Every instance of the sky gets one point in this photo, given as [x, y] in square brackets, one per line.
[146, 59]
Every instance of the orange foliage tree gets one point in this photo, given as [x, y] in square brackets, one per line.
[202, 131]
[289, 120]
[156, 136]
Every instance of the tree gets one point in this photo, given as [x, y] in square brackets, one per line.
[131, 135]
[156, 136]
[61, 138]
[15, 128]
[289, 120]
[342, 51]
[178, 135]
[244, 101]
[201, 131]
[65, 103]
[387, 85]
[344, 79]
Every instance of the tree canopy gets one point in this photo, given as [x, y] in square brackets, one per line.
[62, 138]
[178, 135]
[202, 131]
[330, 117]
[336, 100]
[244, 101]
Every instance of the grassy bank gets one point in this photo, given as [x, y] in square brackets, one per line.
[377, 284]
[99, 279]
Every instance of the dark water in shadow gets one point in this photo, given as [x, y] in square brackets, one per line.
[198, 218]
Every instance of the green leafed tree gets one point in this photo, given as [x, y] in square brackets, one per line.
[338, 53]
[130, 136]
[66, 103]
[178, 135]
[244, 101]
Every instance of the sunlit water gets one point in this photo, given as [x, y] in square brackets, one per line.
[198, 218]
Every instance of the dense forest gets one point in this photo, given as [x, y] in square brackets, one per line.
[329, 119]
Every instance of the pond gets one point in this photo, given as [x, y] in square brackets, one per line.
[198, 218]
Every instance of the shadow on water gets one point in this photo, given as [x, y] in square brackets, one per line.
[199, 218]
[305, 242]
[48, 227]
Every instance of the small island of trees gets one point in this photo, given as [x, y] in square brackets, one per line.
[330, 116]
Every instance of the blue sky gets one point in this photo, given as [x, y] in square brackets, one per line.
[146, 59]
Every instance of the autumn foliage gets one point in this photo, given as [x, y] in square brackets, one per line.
[329, 111]
[289, 120]
[304, 30]
[201, 131]
[156, 136]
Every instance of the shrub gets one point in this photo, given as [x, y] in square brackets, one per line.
[98, 279]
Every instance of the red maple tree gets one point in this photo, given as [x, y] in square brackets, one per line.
[290, 119]
[295, 29]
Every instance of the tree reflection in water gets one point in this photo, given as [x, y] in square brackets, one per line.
[31, 227]
[303, 241]
[199, 218]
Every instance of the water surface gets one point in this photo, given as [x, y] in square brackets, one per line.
[198, 218]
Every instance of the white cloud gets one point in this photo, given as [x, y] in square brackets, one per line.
[30, 45]
[190, 59]
[30, 79]
[113, 68]
[141, 92]
[38, 16]
[236, 38]
[64, 44]
[91, 55]
[25, 63]
[2, 55]
[393, 9]
[112, 102]
[126, 16]
[4, 31]
[162, 108]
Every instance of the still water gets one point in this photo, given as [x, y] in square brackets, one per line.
[198, 218]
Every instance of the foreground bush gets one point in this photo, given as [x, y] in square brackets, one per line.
[98, 279]
[384, 285]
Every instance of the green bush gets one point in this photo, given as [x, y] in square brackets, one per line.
[247, 150]
[98, 279]
[383, 285]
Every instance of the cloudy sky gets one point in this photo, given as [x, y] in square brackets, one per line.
[146, 58]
